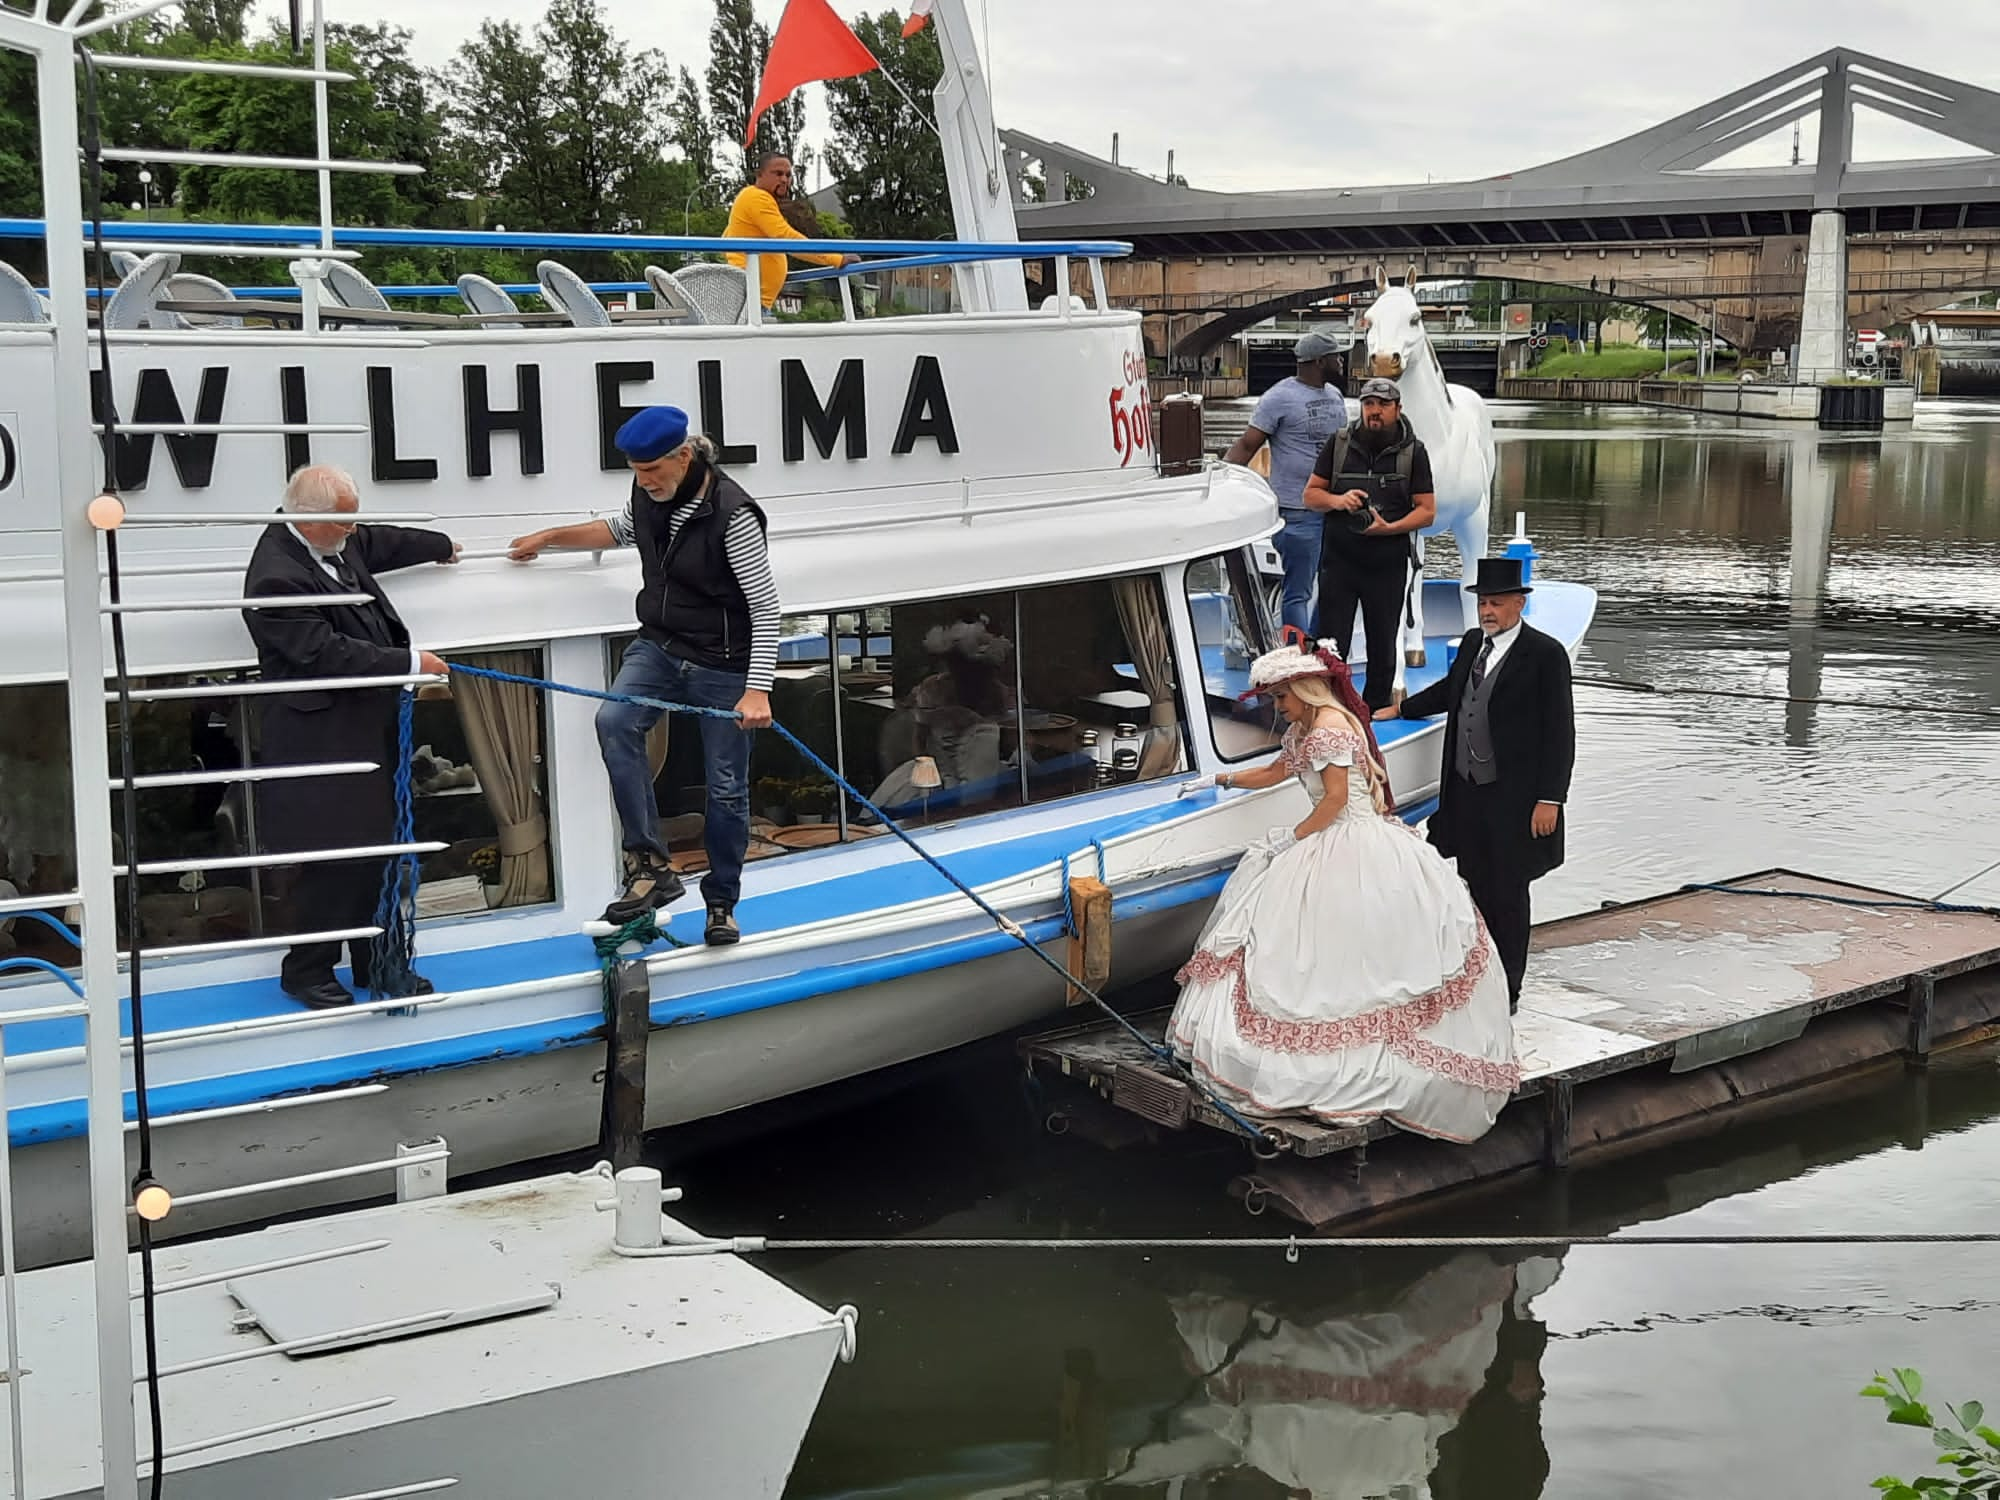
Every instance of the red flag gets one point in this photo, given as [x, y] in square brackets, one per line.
[919, 13]
[812, 44]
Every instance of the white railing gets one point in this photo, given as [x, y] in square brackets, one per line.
[53, 44]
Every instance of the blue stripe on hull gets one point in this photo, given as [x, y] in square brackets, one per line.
[53, 1122]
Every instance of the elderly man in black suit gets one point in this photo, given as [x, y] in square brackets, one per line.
[1509, 746]
[314, 551]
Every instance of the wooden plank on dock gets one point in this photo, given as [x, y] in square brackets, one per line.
[1703, 981]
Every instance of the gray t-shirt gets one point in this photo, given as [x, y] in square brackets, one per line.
[1299, 418]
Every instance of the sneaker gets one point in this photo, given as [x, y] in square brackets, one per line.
[722, 929]
[650, 884]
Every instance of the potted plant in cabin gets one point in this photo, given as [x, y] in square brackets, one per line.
[485, 863]
[774, 799]
[812, 801]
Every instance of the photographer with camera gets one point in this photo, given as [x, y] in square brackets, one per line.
[1374, 482]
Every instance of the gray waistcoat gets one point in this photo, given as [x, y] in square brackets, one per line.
[1472, 755]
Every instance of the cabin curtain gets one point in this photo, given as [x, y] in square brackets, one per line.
[1145, 623]
[503, 731]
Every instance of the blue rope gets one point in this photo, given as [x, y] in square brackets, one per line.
[1159, 1051]
[55, 924]
[1069, 906]
[392, 953]
[24, 962]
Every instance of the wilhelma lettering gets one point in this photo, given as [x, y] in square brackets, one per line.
[926, 410]
[193, 454]
[846, 408]
[385, 463]
[482, 421]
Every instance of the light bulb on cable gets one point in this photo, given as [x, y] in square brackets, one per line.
[150, 1201]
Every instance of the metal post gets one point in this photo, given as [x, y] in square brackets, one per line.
[322, 126]
[833, 679]
[76, 464]
[250, 819]
[626, 1031]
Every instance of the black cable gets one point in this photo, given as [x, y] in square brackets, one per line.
[94, 176]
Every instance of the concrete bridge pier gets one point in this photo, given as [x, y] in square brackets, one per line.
[1823, 317]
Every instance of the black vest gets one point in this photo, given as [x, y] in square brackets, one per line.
[691, 603]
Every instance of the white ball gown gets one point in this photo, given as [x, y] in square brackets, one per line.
[1347, 975]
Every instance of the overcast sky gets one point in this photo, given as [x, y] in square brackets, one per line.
[1306, 93]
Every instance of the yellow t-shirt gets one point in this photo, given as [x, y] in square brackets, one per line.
[755, 216]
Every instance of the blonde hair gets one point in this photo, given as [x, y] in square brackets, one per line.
[1317, 692]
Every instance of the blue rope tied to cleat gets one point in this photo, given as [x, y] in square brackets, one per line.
[392, 952]
[1161, 1053]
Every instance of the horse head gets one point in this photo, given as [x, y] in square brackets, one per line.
[1394, 325]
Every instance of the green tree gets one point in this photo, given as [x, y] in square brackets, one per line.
[564, 130]
[275, 117]
[504, 118]
[738, 44]
[20, 162]
[884, 153]
[688, 128]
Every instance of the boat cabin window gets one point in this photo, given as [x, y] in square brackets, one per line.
[37, 846]
[1230, 630]
[941, 709]
[478, 775]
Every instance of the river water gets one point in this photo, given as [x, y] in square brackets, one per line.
[1726, 555]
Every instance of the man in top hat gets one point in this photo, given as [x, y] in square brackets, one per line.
[708, 637]
[1296, 417]
[1510, 742]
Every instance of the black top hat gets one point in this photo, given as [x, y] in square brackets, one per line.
[1498, 575]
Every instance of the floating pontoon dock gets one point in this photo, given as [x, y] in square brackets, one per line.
[1637, 1021]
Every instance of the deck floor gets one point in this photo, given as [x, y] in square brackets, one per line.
[1691, 978]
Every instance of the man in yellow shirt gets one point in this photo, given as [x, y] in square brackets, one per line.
[755, 215]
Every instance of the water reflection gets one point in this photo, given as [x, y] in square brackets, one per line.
[1770, 559]
[1432, 1390]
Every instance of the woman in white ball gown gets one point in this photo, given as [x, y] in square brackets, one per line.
[1345, 973]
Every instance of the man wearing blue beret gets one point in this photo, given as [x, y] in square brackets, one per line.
[708, 636]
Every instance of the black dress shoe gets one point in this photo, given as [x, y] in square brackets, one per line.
[328, 994]
[418, 985]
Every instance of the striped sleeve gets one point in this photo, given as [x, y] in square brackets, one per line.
[621, 525]
[750, 561]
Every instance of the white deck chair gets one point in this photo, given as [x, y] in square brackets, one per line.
[124, 263]
[135, 303]
[481, 294]
[350, 288]
[569, 293]
[19, 301]
[186, 286]
[719, 292]
[669, 296]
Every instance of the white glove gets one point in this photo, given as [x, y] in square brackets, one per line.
[1278, 840]
[1198, 784]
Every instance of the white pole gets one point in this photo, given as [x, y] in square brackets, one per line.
[322, 125]
[76, 471]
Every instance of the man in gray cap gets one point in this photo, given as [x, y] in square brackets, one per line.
[1296, 417]
[1374, 485]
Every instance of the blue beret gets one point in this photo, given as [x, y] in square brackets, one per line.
[652, 433]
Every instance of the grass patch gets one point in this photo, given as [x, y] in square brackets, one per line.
[1617, 362]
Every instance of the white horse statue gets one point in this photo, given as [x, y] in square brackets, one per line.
[1454, 426]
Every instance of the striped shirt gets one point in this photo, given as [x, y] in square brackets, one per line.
[749, 560]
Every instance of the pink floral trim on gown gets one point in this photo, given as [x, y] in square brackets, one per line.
[1348, 975]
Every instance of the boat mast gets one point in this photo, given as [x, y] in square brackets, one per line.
[982, 203]
[74, 440]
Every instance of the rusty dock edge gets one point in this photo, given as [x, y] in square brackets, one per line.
[1640, 1023]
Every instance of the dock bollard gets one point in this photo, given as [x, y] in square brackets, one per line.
[626, 1030]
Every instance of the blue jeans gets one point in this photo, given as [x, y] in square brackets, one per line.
[1298, 546]
[650, 671]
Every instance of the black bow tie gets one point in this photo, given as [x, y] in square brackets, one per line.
[344, 571]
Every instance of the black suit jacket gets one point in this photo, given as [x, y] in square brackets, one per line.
[341, 640]
[1534, 744]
